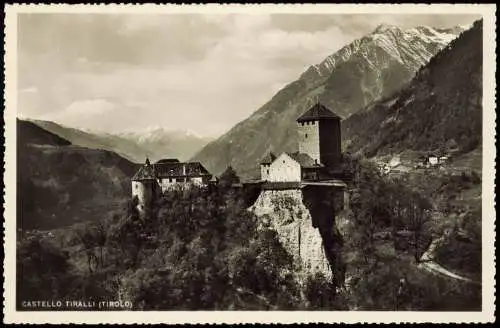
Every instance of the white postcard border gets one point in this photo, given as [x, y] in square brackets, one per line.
[177, 317]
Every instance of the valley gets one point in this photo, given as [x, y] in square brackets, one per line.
[409, 239]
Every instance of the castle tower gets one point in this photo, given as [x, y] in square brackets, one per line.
[319, 136]
[145, 187]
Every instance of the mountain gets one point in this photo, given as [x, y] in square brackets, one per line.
[30, 133]
[59, 184]
[439, 110]
[363, 71]
[92, 140]
[157, 143]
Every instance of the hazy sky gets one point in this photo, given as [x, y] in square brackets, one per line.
[198, 72]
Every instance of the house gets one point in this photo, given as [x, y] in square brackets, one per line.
[171, 173]
[151, 180]
[293, 167]
[319, 154]
[433, 160]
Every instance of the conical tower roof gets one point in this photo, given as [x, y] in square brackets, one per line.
[318, 112]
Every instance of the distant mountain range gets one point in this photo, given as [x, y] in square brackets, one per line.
[158, 143]
[440, 110]
[154, 142]
[363, 71]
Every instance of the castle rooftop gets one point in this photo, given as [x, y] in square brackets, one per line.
[304, 160]
[146, 172]
[268, 159]
[317, 112]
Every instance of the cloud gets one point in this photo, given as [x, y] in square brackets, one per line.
[128, 39]
[29, 90]
[80, 113]
[189, 71]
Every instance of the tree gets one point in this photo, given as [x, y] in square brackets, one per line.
[228, 178]
[43, 271]
[85, 235]
[418, 217]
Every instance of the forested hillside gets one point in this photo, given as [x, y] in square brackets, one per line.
[440, 109]
[59, 184]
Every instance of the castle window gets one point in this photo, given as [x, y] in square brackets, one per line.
[283, 161]
[302, 123]
[169, 179]
[267, 171]
[313, 122]
[306, 135]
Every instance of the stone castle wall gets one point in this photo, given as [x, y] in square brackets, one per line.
[309, 142]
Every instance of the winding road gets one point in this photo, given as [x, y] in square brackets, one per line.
[427, 262]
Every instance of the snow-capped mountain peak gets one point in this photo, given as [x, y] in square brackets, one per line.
[384, 28]
[369, 68]
[407, 46]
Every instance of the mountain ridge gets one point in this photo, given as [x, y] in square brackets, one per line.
[350, 79]
[439, 110]
[59, 183]
[156, 142]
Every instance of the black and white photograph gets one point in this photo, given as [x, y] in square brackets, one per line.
[221, 159]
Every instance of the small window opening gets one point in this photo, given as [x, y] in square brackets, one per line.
[306, 135]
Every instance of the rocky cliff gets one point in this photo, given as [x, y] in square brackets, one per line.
[285, 212]
[306, 228]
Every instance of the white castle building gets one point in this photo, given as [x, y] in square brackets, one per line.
[319, 154]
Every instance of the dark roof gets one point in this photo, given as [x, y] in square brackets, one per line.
[304, 160]
[168, 160]
[172, 169]
[146, 172]
[268, 159]
[318, 112]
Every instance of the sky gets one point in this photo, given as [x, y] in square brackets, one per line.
[198, 72]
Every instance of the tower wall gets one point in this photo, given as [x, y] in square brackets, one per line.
[330, 143]
[309, 139]
[145, 192]
[264, 169]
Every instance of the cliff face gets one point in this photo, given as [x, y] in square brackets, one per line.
[286, 212]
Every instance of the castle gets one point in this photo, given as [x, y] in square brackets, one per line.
[166, 174]
[317, 163]
[319, 155]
